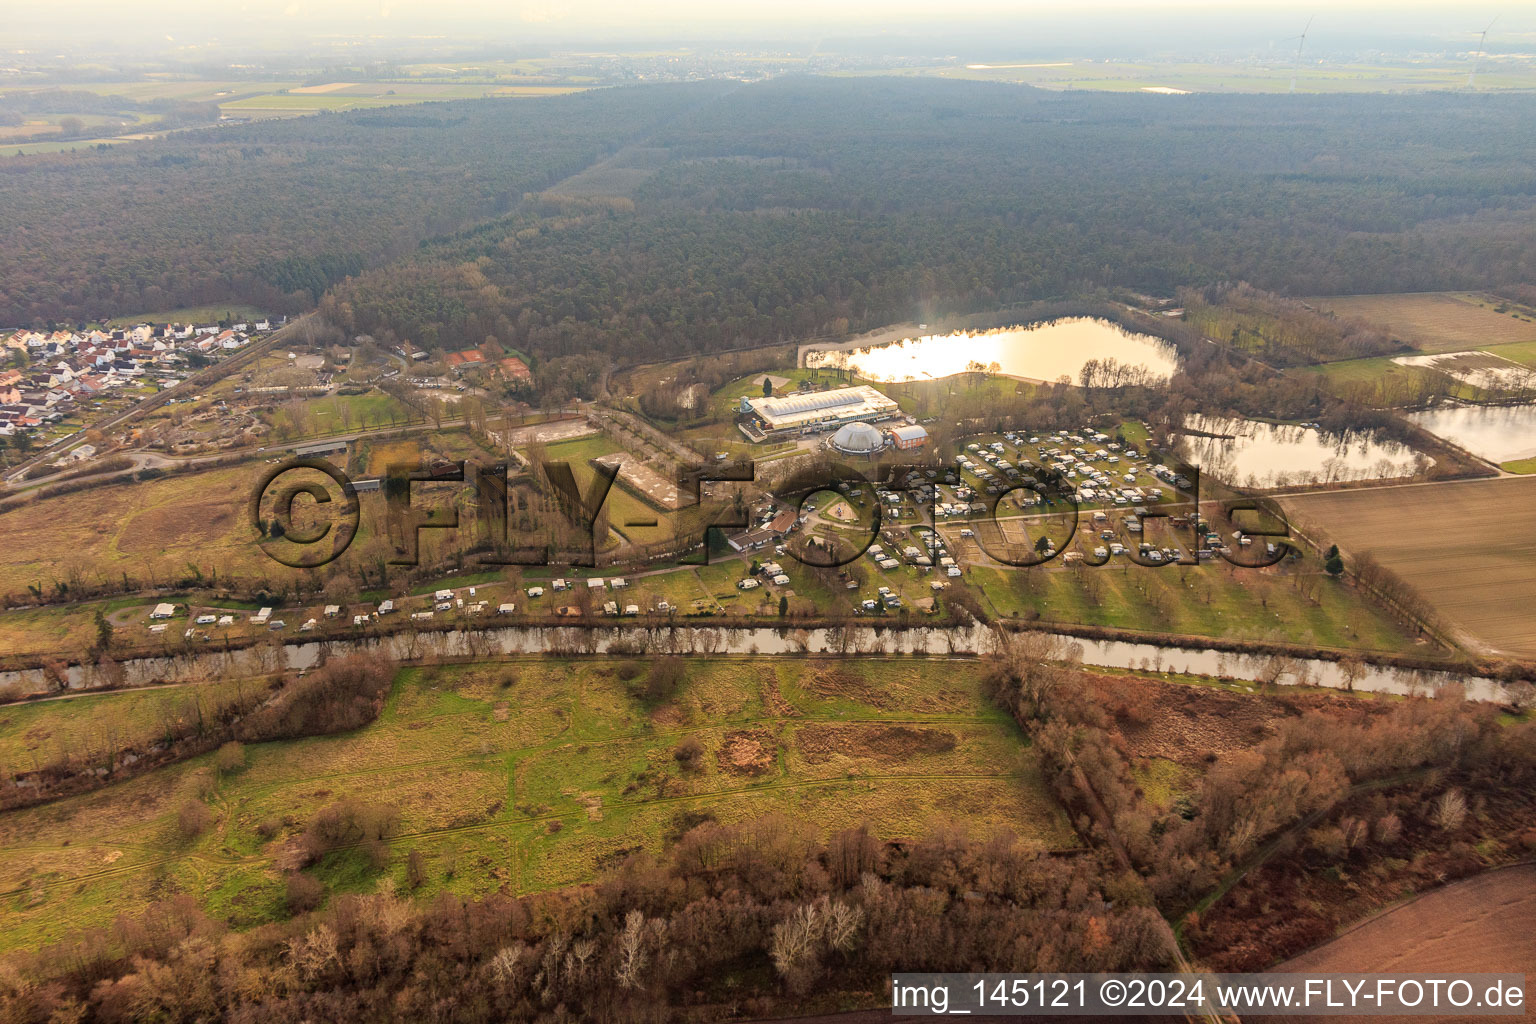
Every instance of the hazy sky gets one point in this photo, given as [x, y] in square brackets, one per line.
[193, 22]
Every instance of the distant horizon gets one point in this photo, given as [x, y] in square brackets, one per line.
[1097, 27]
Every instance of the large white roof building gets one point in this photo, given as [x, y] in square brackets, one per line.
[819, 409]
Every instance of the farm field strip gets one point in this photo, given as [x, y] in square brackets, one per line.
[1434, 322]
[1483, 580]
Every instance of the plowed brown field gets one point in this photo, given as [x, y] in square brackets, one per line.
[1482, 925]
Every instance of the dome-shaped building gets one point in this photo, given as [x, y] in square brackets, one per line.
[858, 438]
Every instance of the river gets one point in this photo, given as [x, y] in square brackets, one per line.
[700, 639]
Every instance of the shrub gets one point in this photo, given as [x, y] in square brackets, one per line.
[348, 823]
[193, 819]
[689, 753]
[415, 869]
[229, 758]
[341, 695]
[304, 893]
[662, 682]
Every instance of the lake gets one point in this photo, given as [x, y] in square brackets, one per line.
[1498, 433]
[1044, 352]
[1276, 455]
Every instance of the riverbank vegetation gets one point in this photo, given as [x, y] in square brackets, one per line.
[1281, 787]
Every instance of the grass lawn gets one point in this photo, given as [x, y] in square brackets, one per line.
[60, 630]
[1164, 781]
[969, 393]
[340, 414]
[1519, 466]
[1522, 352]
[537, 773]
[1381, 382]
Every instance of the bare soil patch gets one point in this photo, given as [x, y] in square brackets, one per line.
[644, 480]
[750, 752]
[773, 700]
[820, 743]
[842, 512]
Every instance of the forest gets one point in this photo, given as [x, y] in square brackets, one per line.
[818, 206]
[794, 207]
[272, 213]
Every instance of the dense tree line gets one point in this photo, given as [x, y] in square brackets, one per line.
[737, 920]
[788, 208]
[345, 693]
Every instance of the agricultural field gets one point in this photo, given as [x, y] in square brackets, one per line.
[191, 90]
[1212, 599]
[616, 177]
[1438, 321]
[1473, 925]
[232, 312]
[1186, 77]
[1469, 548]
[154, 531]
[338, 96]
[254, 100]
[558, 769]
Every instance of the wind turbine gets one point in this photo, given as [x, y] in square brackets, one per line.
[1481, 39]
[1302, 42]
